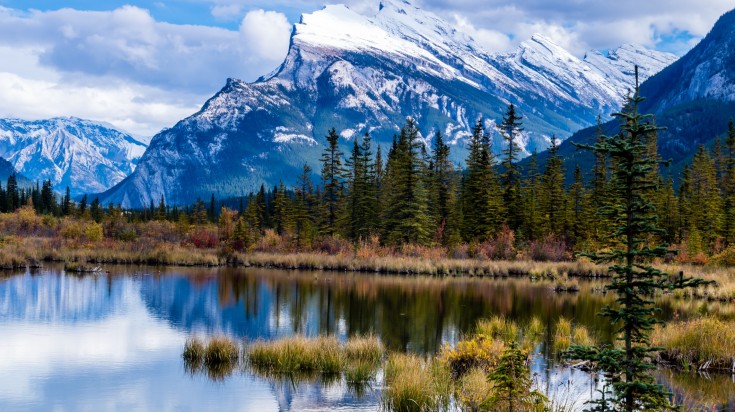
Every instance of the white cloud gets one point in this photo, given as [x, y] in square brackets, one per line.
[266, 35]
[227, 11]
[124, 67]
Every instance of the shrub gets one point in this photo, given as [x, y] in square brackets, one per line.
[549, 249]
[481, 351]
[202, 238]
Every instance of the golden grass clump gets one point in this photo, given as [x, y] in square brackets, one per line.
[415, 384]
[566, 335]
[221, 350]
[535, 328]
[194, 350]
[364, 349]
[704, 343]
[297, 354]
[498, 327]
[474, 390]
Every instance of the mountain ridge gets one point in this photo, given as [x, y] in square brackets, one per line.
[84, 155]
[366, 74]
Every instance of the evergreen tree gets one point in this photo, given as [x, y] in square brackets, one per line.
[442, 189]
[532, 220]
[598, 195]
[13, 196]
[362, 194]
[406, 209]
[634, 280]
[304, 208]
[332, 183]
[578, 208]
[66, 203]
[704, 200]
[511, 128]
[552, 188]
[282, 217]
[482, 204]
[729, 186]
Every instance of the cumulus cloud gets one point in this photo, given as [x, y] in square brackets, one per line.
[581, 25]
[125, 67]
[265, 35]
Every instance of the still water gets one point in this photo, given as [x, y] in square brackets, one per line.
[114, 341]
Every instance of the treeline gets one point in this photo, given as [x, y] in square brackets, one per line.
[414, 194]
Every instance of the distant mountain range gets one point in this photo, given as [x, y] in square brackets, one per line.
[86, 156]
[366, 74]
[694, 98]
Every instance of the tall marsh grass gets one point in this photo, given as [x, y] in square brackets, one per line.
[704, 343]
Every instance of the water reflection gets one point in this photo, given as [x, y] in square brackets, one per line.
[114, 341]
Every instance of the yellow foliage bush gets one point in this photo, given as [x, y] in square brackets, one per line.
[482, 351]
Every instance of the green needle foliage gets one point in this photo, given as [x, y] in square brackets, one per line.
[635, 280]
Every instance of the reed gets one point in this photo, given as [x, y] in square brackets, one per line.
[702, 344]
[297, 354]
[415, 384]
[221, 350]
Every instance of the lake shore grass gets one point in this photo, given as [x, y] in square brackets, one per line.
[699, 344]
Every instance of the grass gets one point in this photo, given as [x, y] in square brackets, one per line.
[366, 349]
[498, 327]
[702, 344]
[474, 390]
[221, 350]
[218, 357]
[566, 335]
[415, 384]
[297, 354]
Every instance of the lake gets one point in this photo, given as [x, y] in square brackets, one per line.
[113, 341]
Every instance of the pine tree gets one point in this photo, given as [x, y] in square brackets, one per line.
[729, 186]
[66, 203]
[634, 280]
[704, 201]
[598, 195]
[578, 207]
[482, 204]
[332, 183]
[362, 196]
[552, 188]
[282, 217]
[511, 128]
[532, 222]
[442, 189]
[304, 208]
[406, 206]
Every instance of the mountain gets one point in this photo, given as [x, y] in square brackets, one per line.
[693, 98]
[88, 157]
[7, 169]
[363, 74]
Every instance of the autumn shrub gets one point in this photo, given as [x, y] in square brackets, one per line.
[480, 351]
[549, 249]
[272, 242]
[333, 245]
[203, 238]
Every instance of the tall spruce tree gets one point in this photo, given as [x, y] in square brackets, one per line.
[634, 280]
[729, 185]
[406, 197]
[511, 128]
[552, 183]
[482, 202]
[442, 188]
[332, 183]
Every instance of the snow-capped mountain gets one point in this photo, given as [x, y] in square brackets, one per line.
[363, 74]
[88, 157]
[693, 99]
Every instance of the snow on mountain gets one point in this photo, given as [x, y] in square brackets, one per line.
[86, 156]
[361, 74]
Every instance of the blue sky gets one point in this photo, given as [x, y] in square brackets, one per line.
[144, 64]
